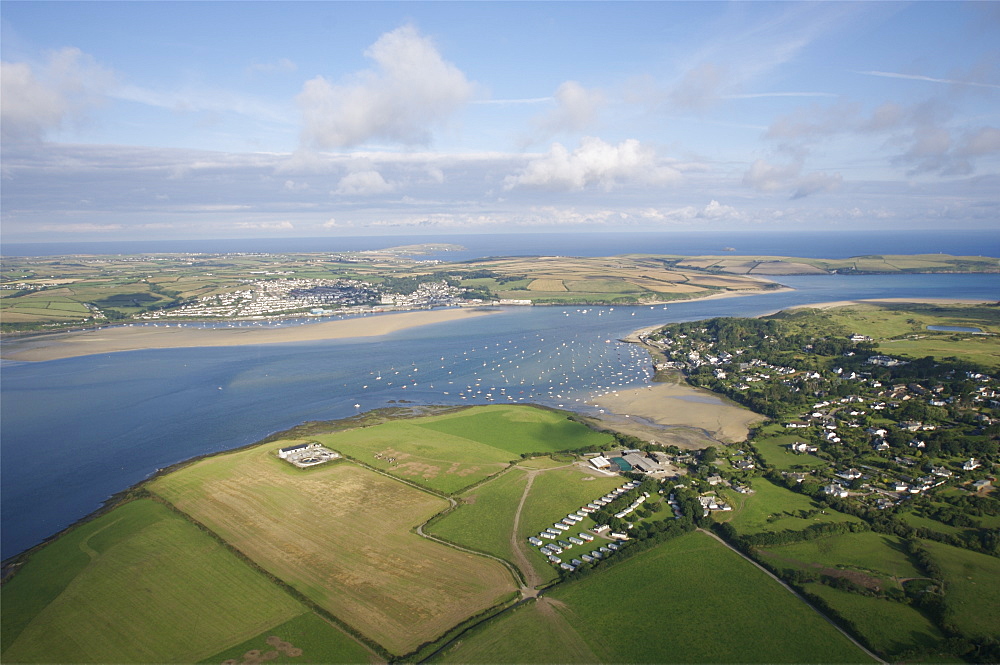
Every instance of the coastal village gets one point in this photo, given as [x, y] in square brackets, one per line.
[317, 297]
[852, 424]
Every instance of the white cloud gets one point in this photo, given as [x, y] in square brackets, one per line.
[715, 210]
[36, 100]
[577, 108]
[265, 226]
[930, 79]
[81, 228]
[594, 162]
[410, 90]
[814, 183]
[363, 183]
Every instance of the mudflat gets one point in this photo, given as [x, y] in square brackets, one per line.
[126, 338]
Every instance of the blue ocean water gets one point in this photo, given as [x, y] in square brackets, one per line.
[75, 431]
[826, 244]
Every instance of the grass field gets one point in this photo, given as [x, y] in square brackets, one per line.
[775, 452]
[866, 557]
[484, 519]
[901, 329]
[138, 584]
[888, 627]
[774, 508]
[342, 536]
[555, 493]
[305, 639]
[690, 600]
[972, 593]
[452, 451]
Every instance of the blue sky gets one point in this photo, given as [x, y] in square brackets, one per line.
[146, 120]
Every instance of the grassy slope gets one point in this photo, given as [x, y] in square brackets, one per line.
[873, 554]
[341, 535]
[139, 584]
[972, 591]
[452, 451]
[751, 512]
[318, 640]
[690, 600]
[889, 627]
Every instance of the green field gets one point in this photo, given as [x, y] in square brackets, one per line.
[307, 639]
[774, 508]
[689, 600]
[776, 454]
[866, 557]
[138, 584]
[972, 590]
[449, 452]
[901, 329]
[343, 536]
[484, 518]
[887, 626]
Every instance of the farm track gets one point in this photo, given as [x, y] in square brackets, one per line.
[797, 595]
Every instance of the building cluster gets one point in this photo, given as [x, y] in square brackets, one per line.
[428, 294]
[874, 455]
[271, 297]
[304, 455]
[562, 541]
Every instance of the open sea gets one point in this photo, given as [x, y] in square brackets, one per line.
[75, 431]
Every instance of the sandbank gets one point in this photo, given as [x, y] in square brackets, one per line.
[894, 301]
[681, 405]
[132, 338]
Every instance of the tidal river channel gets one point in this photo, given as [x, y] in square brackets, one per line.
[75, 431]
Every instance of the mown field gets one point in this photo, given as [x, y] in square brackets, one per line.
[140, 584]
[689, 600]
[774, 508]
[452, 451]
[341, 535]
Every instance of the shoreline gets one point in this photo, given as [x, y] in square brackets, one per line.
[57, 346]
[683, 405]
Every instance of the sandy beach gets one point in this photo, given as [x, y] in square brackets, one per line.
[681, 405]
[111, 340]
[893, 301]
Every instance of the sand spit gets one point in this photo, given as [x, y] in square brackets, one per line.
[111, 340]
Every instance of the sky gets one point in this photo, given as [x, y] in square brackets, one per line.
[187, 120]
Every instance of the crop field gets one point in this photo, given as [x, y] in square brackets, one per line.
[452, 451]
[888, 627]
[775, 452]
[484, 519]
[972, 594]
[868, 558]
[545, 284]
[341, 535]
[774, 508]
[102, 591]
[305, 639]
[690, 600]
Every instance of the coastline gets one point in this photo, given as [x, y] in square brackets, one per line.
[112, 340]
[682, 405]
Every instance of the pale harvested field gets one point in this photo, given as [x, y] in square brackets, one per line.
[111, 340]
[544, 284]
[342, 536]
[685, 406]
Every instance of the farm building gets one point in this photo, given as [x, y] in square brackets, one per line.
[600, 462]
[305, 455]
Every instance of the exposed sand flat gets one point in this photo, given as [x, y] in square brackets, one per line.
[894, 301]
[110, 340]
[681, 405]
